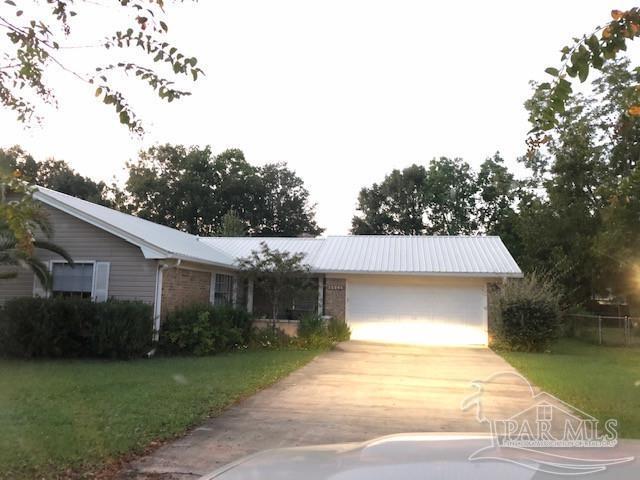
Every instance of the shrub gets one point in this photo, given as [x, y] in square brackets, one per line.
[528, 313]
[204, 330]
[316, 332]
[272, 338]
[123, 329]
[234, 318]
[55, 327]
[338, 330]
[310, 325]
[69, 327]
[187, 331]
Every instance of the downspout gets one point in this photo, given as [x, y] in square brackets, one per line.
[321, 295]
[157, 302]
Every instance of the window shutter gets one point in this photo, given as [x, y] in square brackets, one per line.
[101, 281]
[212, 289]
[234, 291]
[38, 289]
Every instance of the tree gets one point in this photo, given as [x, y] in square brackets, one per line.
[232, 225]
[38, 38]
[573, 225]
[499, 193]
[593, 50]
[192, 190]
[558, 225]
[614, 244]
[278, 274]
[16, 159]
[395, 206]
[284, 208]
[498, 190]
[618, 245]
[56, 175]
[22, 220]
[371, 217]
[439, 200]
[616, 92]
[238, 188]
[450, 195]
[173, 186]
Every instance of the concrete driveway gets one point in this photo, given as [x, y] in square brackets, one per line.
[356, 392]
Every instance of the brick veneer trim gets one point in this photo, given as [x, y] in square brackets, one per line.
[181, 287]
[335, 290]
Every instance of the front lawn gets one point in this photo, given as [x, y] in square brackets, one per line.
[602, 381]
[56, 415]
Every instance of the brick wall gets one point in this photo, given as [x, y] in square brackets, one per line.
[334, 297]
[290, 328]
[182, 287]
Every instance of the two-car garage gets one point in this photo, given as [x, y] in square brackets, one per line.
[417, 310]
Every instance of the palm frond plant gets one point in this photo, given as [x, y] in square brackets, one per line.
[24, 227]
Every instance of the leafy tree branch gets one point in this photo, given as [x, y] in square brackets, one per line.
[591, 51]
[35, 39]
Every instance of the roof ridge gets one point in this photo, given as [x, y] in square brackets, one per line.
[249, 237]
[412, 236]
[345, 236]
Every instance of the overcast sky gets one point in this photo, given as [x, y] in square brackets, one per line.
[343, 91]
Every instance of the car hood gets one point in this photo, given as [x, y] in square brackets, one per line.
[432, 456]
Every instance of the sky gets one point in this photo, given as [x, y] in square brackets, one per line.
[342, 91]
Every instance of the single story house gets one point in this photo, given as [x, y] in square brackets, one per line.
[404, 289]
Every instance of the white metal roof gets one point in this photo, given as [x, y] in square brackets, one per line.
[237, 247]
[422, 255]
[155, 241]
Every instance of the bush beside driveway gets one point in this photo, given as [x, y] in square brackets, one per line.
[77, 415]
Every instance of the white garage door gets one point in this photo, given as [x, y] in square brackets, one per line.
[416, 313]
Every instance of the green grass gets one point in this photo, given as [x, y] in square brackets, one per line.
[599, 380]
[57, 415]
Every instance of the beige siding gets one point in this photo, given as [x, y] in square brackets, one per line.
[15, 287]
[132, 277]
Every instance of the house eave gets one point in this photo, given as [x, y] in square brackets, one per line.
[202, 261]
[421, 274]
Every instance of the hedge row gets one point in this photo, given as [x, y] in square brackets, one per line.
[73, 328]
[67, 328]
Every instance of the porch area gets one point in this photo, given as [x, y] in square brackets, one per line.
[316, 296]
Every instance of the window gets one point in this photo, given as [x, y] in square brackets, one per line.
[76, 281]
[545, 413]
[223, 293]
